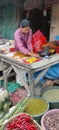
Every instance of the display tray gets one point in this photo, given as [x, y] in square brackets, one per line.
[22, 117]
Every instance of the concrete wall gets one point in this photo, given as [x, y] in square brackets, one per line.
[7, 21]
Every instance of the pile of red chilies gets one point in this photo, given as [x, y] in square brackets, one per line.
[22, 122]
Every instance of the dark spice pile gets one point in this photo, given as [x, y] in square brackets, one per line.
[51, 121]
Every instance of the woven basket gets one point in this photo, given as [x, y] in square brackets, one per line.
[11, 119]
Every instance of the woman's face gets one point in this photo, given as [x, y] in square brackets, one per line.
[25, 30]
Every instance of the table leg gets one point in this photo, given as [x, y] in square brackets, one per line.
[6, 71]
[4, 75]
[31, 83]
[24, 83]
[41, 74]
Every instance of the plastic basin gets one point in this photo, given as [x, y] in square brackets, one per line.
[36, 107]
[50, 120]
[52, 96]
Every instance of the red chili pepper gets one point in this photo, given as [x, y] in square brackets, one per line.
[22, 122]
[19, 126]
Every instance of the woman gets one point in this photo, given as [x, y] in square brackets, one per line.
[23, 37]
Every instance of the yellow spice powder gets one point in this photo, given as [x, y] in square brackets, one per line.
[36, 106]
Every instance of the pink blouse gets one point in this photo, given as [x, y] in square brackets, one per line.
[23, 41]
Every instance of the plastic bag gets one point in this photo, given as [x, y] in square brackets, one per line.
[38, 40]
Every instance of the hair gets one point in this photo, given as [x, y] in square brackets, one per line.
[24, 23]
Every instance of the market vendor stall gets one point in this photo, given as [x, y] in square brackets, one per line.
[17, 64]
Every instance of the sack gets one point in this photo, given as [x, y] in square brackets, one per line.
[38, 40]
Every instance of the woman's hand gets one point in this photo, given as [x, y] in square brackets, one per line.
[34, 54]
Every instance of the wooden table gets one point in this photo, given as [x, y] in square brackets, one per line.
[17, 65]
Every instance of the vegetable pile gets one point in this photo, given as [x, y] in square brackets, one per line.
[5, 102]
[19, 107]
[22, 122]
